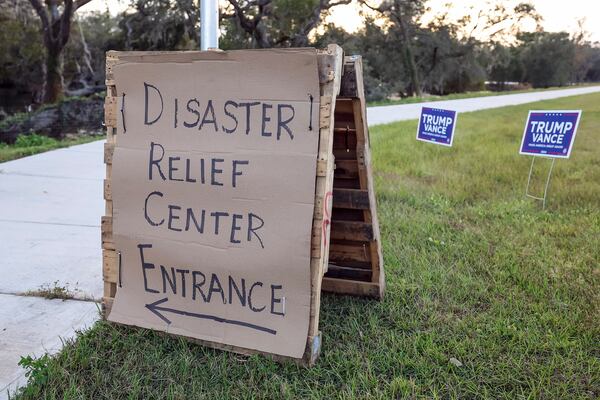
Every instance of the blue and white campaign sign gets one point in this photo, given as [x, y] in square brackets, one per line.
[436, 126]
[550, 133]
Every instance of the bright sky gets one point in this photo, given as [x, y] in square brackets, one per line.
[558, 14]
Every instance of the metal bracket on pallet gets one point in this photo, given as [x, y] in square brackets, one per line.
[119, 254]
[542, 199]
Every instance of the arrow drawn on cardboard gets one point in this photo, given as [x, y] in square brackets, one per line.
[157, 307]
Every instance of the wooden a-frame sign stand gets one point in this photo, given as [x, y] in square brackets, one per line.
[345, 246]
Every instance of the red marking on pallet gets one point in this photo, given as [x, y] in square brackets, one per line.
[326, 220]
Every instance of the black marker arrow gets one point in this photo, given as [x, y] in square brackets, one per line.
[156, 308]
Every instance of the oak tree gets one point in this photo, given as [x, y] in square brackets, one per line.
[56, 17]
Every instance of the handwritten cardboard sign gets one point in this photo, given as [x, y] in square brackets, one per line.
[550, 133]
[213, 186]
[436, 126]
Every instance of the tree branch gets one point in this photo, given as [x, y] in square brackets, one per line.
[247, 24]
[301, 37]
[65, 23]
[252, 26]
[81, 3]
[366, 3]
[41, 12]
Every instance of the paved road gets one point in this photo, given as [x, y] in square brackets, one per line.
[387, 114]
[50, 209]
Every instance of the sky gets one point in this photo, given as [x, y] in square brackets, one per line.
[559, 15]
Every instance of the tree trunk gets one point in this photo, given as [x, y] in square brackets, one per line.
[410, 63]
[53, 90]
[410, 58]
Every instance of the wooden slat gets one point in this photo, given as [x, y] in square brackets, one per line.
[110, 266]
[343, 130]
[365, 173]
[359, 251]
[330, 64]
[342, 272]
[110, 111]
[347, 214]
[109, 257]
[325, 112]
[351, 230]
[351, 198]
[346, 169]
[343, 105]
[108, 208]
[321, 168]
[349, 82]
[351, 287]
[324, 172]
[344, 140]
[366, 265]
[347, 184]
[351, 113]
[345, 154]
[107, 234]
[109, 149]
[107, 190]
[107, 303]
[110, 289]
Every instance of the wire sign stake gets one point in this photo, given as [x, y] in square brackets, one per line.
[542, 199]
[548, 134]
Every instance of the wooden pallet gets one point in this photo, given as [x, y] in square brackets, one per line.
[355, 260]
[325, 229]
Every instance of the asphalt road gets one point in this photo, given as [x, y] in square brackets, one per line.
[50, 209]
[388, 114]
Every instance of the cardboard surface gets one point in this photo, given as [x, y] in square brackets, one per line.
[213, 185]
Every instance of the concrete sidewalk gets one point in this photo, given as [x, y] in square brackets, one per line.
[50, 209]
[35, 326]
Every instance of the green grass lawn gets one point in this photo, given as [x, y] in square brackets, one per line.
[467, 95]
[28, 145]
[488, 295]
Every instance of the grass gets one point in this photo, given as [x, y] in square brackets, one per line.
[27, 145]
[467, 95]
[488, 295]
[53, 291]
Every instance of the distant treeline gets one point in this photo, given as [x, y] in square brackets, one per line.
[403, 55]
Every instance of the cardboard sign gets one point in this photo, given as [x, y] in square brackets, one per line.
[436, 126]
[213, 186]
[550, 133]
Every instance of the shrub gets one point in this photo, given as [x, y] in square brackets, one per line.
[33, 140]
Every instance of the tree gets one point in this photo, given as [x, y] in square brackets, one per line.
[464, 51]
[499, 21]
[403, 15]
[504, 64]
[383, 63]
[161, 25]
[548, 58]
[276, 23]
[21, 55]
[56, 29]
[448, 62]
[85, 54]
